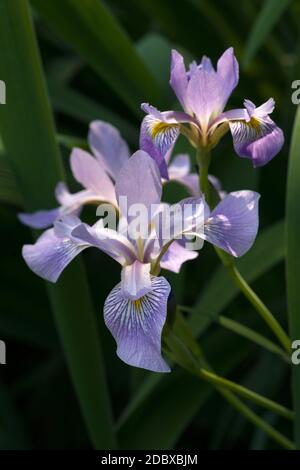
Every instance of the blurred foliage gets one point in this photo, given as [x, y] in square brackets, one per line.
[101, 59]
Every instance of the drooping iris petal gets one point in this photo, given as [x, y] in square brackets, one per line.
[258, 140]
[53, 250]
[178, 78]
[147, 144]
[228, 75]
[137, 325]
[39, 219]
[108, 146]
[159, 131]
[175, 256]
[233, 224]
[136, 280]
[139, 181]
[90, 174]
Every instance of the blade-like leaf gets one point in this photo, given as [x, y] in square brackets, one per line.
[95, 34]
[268, 16]
[28, 133]
[78, 106]
[293, 259]
[214, 15]
[156, 53]
[9, 192]
[220, 290]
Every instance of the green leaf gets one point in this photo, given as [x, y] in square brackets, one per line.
[220, 290]
[156, 53]
[9, 192]
[28, 133]
[293, 259]
[95, 34]
[215, 16]
[78, 106]
[268, 16]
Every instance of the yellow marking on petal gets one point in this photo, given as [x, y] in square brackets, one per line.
[255, 124]
[138, 305]
[160, 128]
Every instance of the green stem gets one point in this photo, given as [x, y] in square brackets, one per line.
[260, 307]
[246, 393]
[185, 357]
[246, 332]
[257, 421]
[203, 158]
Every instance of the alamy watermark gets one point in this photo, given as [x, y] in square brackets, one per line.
[160, 223]
[296, 94]
[2, 92]
[2, 352]
[296, 354]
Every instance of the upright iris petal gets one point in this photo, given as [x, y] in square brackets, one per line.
[109, 148]
[179, 78]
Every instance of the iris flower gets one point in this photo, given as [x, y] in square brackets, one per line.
[135, 310]
[97, 173]
[203, 93]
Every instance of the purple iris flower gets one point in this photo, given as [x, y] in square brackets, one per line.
[97, 173]
[203, 93]
[135, 310]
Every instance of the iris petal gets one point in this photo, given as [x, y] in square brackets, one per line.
[233, 224]
[259, 140]
[53, 250]
[178, 78]
[108, 146]
[39, 219]
[137, 325]
[136, 280]
[175, 256]
[87, 171]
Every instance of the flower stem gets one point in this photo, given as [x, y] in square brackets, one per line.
[245, 332]
[182, 351]
[260, 307]
[203, 158]
[246, 393]
[257, 421]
